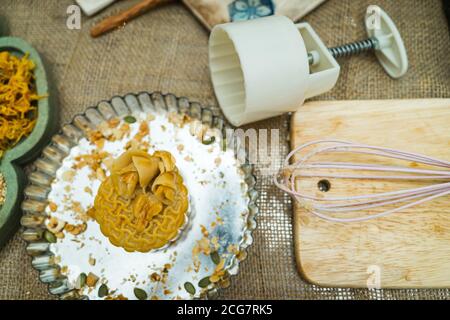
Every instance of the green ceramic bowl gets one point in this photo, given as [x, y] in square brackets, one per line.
[11, 165]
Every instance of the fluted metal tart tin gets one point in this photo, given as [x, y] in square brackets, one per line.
[11, 165]
[222, 209]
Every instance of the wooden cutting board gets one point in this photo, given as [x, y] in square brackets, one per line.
[410, 249]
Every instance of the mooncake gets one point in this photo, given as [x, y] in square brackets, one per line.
[142, 204]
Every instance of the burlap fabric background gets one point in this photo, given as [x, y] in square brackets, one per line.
[166, 50]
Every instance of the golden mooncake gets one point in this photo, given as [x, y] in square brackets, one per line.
[142, 204]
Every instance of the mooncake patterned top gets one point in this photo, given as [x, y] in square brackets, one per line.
[142, 204]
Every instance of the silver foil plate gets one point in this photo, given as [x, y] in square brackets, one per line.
[221, 193]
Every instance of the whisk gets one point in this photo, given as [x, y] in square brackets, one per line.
[324, 207]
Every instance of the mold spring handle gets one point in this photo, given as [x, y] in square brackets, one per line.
[383, 37]
[349, 49]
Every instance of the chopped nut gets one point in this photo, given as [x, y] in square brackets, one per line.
[100, 143]
[202, 246]
[55, 225]
[215, 242]
[204, 231]
[167, 267]
[122, 131]
[143, 131]
[91, 212]
[68, 175]
[91, 280]
[144, 128]
[93, 160]
[53, 207]
[92, 260]
[178, 119]
[144, 146]
[232, 248]
[76, 206]
[88, 190]
[94, 135]
[75, 229]
[155, 277]
[59, 235]
[219, 272]
[150, 117]
[114, 122]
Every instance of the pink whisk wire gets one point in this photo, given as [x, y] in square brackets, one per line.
[290, 172]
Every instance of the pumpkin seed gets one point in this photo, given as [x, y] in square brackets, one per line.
[50, 237]
[204, 282]
[103, 291]
[209, 141]
[215, 257]
[224, 144]
[129, 119]
[81, 281]
[189, 288]
[140, 294]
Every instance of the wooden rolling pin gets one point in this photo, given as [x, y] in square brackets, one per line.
[119, 20]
